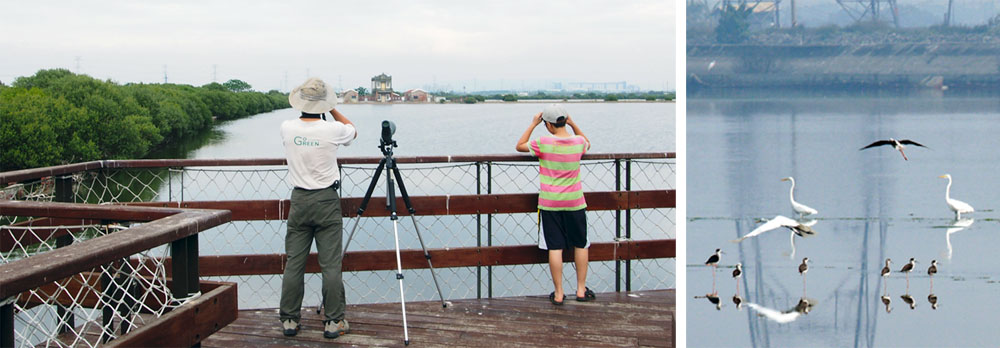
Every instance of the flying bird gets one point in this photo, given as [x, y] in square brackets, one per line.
[796, 227]
[800, 208]
[896, 144]
[956, 206]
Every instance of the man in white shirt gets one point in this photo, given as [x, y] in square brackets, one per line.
[311, 150]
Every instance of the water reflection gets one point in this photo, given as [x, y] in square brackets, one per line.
[712, 298]
[956, 226]
[801, 228]
[784, 317]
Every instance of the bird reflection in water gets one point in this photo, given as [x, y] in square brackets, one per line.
[738, 301]
[933, 299]
[956, 225]
[714, 299]
[909, 300]
[783, 317]
[887, 301]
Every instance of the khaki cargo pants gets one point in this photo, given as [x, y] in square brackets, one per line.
[314, 214]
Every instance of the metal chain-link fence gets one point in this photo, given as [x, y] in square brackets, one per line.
[182, 184]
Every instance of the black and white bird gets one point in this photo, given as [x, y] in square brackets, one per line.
[886, 270]
[803, 268]
[738, 271]
[907, 268]
[956, 206]
[896, 144]
[798, 228]
[738, 301]
[932, 298]
[714, 259]
[931, 271]
[799, 208]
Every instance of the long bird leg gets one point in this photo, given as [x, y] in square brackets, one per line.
[904, 155]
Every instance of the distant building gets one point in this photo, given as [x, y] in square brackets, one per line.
[382, 90]
[417, 96]
[349, 96]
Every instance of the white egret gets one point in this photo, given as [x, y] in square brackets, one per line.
[956, 206]
[801, 229]
[896, 144]
[800, 208]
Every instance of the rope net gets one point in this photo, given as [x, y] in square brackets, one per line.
[91, 307]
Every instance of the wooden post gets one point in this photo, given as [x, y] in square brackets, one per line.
[64, 193]
[7, 326]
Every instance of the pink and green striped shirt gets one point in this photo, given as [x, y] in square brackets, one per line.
[559, 171]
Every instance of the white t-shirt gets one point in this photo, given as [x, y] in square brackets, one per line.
[311, 150]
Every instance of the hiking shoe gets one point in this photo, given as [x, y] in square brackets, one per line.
[336, 329]
[291, 327]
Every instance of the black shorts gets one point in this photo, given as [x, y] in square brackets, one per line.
[563, 228]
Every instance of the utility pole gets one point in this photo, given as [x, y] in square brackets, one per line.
[947, 15]
[793, 15]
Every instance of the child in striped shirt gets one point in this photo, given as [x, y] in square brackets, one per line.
[562, 208]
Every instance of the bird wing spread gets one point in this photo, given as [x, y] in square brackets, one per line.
[777, 221]
[910, 142]
[878, 143]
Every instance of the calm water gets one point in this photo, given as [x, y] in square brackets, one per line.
[431, 130]
[449, 129]
[872, 205]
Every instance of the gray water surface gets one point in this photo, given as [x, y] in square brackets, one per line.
[872, 205]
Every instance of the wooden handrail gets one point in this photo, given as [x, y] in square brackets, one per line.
[166, 225]
[38, 173]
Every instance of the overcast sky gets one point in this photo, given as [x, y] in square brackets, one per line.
[454, 44]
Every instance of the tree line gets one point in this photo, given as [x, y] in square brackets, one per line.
[56, 116]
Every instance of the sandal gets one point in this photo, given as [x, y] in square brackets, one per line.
[588, 295]
[552, 298]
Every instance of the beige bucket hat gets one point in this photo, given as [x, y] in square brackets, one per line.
[313, 97]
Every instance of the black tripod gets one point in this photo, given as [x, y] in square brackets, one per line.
[389, 163]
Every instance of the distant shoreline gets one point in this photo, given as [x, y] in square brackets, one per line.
[528, 101]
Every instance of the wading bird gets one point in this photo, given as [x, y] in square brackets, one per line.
[803, 268]
[801, 229]
[738, 301]
[714, 299]
[800, 208]
[736, 275]
[907, 268]
[714, 262]
[932, 298]
[956, 206]
[896, 144]
[931, 271]
[885, 274]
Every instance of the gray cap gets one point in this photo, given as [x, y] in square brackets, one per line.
[553, 112]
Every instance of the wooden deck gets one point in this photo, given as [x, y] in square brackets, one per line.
[636, 319]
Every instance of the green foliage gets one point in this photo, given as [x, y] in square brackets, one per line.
[56, 116]
[734, 24]
[611, 97]
[361, 91]
[509, 97]
[235, 85]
